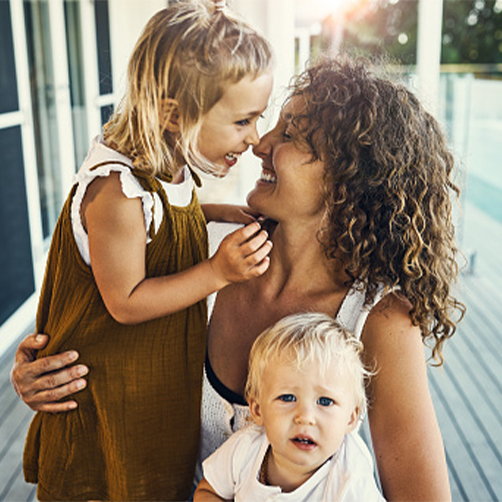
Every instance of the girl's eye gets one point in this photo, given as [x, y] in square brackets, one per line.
[325, 401]
[287, 398]
[243, 123]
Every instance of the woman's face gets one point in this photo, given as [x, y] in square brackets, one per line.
[290, 185]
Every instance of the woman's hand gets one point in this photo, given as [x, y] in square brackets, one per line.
[42, 383]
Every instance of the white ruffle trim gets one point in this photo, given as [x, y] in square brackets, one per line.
[131, 189]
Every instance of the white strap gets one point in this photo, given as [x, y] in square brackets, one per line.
[353, 312]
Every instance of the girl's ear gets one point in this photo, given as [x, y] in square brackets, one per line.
[169, 114]
[255, 410]
[353, 421]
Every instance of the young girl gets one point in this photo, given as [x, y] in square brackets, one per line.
[306, 394]
[128, 271]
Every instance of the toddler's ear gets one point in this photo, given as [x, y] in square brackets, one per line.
[255, 410]
[353, 421]
[169, 114]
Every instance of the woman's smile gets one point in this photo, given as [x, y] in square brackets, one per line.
[268, 176]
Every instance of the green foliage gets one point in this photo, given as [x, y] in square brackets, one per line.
[472, 30]
[384, 26]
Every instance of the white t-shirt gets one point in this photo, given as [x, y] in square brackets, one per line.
[233, 472]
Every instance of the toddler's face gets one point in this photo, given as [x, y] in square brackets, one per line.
[230, 126]
[306, 414]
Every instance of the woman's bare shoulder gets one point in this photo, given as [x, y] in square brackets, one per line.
[389, 333]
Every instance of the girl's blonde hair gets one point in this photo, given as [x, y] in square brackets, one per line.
[305, 338]
[188, 52]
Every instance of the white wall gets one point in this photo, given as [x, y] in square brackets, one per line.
[127, 20]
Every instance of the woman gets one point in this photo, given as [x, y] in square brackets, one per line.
[356, 176]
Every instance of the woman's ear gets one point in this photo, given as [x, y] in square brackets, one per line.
[255, 410]
[169, 115]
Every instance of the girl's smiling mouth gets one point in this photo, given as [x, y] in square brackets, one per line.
[231, 159]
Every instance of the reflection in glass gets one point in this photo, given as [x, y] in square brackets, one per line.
[103, 44]
[16, 276]
[106, 112]
[8, 83]
[473, 116]
[38, 36]
[76, 73]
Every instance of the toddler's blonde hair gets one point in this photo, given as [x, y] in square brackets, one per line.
[305, 338]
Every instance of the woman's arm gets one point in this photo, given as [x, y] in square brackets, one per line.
[205, 492]
[117, 243]
[42, 383]
[406, 437]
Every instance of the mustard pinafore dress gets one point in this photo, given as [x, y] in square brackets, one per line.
[135, 433]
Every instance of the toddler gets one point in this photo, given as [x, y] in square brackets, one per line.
[306, 394]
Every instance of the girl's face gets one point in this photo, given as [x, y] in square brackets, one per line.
[230, 126]
[290, 185]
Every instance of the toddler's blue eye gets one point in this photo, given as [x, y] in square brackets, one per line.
[287, 398]
[325, 401]
[244, 122]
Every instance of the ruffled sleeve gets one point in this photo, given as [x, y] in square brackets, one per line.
[131, 189]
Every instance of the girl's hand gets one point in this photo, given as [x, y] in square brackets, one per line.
[229, 213]
[42, 383]
[242, 255]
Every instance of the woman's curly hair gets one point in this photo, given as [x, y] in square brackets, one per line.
[387, 188]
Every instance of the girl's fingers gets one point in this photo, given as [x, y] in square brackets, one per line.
[260, 254]
[262, 267]
[254, 244]
[245, 233]
[246, 218]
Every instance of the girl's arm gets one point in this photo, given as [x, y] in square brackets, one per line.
[229, 213]
[117, 244]
[406, 438]
[205, 492]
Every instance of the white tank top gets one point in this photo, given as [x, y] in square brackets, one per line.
[220, 418]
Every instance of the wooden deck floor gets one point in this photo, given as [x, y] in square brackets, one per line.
[467, 391]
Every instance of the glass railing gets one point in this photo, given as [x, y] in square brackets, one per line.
[471, 110]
